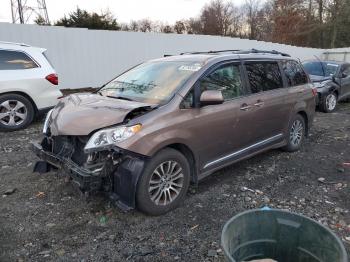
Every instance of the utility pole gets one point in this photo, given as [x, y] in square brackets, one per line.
[24, 11]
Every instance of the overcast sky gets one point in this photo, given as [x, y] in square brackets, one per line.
[125, 10]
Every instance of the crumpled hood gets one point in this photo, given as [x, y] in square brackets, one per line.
[80, 114]
[315, 78]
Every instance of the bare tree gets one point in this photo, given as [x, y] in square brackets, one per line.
[314, 23]
[216, 18]
[236, 28]
[167, 29]
[194, 26]
[145, 25]
[134, 26]
[180, 27]
[252, 13]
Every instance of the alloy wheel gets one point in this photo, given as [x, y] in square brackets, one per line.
[296, 132]
[12, 113]
[166, 183]
[331, 102]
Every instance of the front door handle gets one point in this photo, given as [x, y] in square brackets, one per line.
[245, 107]
[259, 103]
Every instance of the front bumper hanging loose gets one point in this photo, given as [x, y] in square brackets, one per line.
[123, 179]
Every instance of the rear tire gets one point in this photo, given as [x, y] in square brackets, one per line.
[296, 134]
[164, 182]
[329, 102]
[16, 112]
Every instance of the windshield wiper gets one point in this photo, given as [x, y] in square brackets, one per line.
[121, 97]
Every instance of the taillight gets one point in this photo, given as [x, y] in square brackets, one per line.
[52, 78]
[314, 91]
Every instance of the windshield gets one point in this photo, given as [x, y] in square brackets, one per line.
[320, 68]
[153, 82]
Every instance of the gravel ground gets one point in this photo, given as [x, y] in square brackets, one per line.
[46, 219]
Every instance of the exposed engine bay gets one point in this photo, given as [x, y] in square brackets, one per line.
[114, 172]
[108, 169]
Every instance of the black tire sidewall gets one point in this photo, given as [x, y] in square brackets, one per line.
[30, 111]
[144, 203]
[290, 147]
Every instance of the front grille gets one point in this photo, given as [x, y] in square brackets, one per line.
[71, 147]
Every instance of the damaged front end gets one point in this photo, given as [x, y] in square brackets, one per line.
[92, 158]
[112, 171]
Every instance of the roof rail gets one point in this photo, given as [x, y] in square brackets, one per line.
[210, 52]
[12, 43]
[249, 51]
[256, 51]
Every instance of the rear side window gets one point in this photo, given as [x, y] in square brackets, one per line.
[264, 76]
[13, 60]
[227, 79]
[294, 73]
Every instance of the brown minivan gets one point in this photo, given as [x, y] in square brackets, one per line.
[145, 135]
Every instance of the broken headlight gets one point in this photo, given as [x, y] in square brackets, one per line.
[111, 136]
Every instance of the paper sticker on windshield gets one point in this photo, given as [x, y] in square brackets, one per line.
[335, 65]
[193, 68]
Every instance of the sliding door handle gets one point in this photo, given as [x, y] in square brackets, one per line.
[245, 107]
[259, 103]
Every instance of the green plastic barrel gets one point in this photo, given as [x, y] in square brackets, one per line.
[280, 235]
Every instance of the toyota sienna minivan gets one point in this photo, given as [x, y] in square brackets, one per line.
[146, 135]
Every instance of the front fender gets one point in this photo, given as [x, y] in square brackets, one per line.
[326, 89]
[125, 179]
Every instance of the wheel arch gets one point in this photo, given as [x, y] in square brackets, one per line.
[334, 88]
[306, 120]
[24, 95]
[336, 91]
[188, 153]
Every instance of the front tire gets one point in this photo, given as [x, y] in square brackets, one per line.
[296, 134]
[16, 112]
[329, 102]
[164, 182]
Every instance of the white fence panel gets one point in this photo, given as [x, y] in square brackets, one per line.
[337, 54]
[89, 58]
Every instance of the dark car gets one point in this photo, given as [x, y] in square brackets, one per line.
[332, 80]
[144, 136]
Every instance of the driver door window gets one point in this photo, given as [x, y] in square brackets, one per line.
[346, 70]
[227, 79]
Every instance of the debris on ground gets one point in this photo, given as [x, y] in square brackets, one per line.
[40, 194]
[10, 191]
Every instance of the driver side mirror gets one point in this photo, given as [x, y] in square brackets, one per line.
[211, 97]
[344, 75]
[333, 78]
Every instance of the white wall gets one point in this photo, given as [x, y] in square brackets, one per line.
[338, 54]
[89, 58]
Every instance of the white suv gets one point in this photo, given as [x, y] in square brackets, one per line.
[28, 85]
